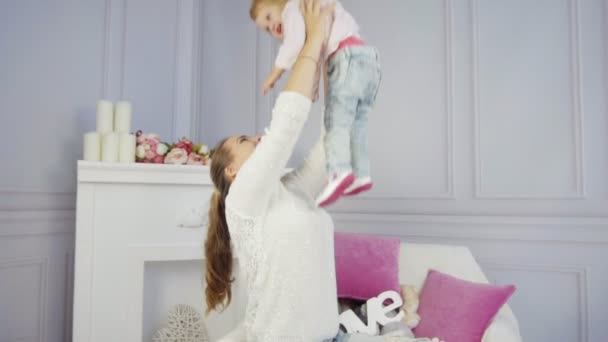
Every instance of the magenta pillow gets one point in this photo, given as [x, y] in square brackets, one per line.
[366, 265]
[457, 310]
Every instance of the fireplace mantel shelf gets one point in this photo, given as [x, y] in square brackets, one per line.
[140, 173]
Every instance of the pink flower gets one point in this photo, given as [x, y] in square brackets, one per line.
[185, 144]
[195, 159]
[144, 138]
[154, 137]
[176, 156]
[140, 137]
[149, 148]
[149, 155]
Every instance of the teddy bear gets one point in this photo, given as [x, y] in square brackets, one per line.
[410, 305]
[410, 318]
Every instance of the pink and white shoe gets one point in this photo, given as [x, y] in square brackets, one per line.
[334, 188]
[358, 186]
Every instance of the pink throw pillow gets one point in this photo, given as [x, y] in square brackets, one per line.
[366, 265]
[457, 310]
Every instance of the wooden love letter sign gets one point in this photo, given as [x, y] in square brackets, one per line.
[376, 314]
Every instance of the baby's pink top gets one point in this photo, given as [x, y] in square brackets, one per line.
[294, 32]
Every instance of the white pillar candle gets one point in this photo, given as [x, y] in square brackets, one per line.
[126, 148]
[109, 147]
[122, 117]
[92, 146]
[105, 117]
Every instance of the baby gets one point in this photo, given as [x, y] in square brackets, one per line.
[352, 78]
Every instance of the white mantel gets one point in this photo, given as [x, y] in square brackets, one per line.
[131, 219]
[139, 173]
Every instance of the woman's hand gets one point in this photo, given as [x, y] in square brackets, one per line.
[317, 19]
[304, 73]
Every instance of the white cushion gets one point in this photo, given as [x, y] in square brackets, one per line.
[416, 259]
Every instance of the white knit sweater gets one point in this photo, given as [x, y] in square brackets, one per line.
[284, 242]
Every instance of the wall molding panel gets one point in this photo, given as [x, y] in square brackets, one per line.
[579, 273]
[577, 110]
[36, 223]
[545, 230]
[69, 291]
[26, 201]
[42, 265]
[450, 110]
[105, 86]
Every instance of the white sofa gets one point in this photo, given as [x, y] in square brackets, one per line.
[414, 262]
[417, 259]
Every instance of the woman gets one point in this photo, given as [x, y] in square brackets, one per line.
[282, 239]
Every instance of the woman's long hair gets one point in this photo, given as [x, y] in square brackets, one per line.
[218, 250]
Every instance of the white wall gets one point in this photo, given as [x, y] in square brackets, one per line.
[491, 131]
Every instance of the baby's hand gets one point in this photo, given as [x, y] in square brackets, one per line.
[268, 84]
[274, 76]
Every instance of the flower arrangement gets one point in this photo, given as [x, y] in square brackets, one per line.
[150, 149]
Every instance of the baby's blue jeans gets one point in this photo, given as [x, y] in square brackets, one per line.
[354, 77]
